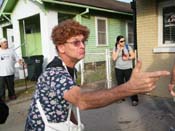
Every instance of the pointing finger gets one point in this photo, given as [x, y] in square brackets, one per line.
[158, 74]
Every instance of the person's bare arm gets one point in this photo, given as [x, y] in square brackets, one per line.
[115, 55]
[20, 61]
[140, 82]
[116, 52]
[131, 55]
[172, 82]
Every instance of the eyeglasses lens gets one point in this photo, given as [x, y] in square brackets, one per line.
[122, 41]
[77, 43]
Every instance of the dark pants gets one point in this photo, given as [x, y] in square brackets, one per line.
[7, 81]
[122, 76]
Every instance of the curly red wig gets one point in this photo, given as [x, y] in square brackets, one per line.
[67, 29]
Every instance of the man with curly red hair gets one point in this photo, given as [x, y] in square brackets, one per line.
[56, 87]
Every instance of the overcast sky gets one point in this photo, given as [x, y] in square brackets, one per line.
[128, 1]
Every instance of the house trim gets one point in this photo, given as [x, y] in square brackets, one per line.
[164, 50]
[86, 6]
[96, 25]
[160, 25]
[127, 32]
[3, 6]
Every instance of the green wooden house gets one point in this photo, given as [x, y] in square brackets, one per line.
[27, 24]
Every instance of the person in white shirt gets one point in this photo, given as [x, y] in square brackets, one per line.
[8, 59]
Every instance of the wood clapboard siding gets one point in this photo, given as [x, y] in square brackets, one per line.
[115, 27]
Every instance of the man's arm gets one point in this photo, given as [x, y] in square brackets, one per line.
[20, 61]
[140, 82]
[17, 59]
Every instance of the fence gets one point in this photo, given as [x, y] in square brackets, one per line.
[96, 67]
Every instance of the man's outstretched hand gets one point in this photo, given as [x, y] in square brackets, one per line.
[142, 82]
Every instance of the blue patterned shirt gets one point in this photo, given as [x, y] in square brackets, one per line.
[50, 89]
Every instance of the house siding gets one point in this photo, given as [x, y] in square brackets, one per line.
[115, 27]
[18, 13]
[147, 36]
[49, 17]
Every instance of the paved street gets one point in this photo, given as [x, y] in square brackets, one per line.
[152, 114]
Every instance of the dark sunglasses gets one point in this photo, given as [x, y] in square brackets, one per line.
[77, 43]
[122, 41]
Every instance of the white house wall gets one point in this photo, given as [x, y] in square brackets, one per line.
[47, 23]
[1, 28]
[48, 19]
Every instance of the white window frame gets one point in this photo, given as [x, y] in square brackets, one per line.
[163, 47]
[96, 28]
[127, 33]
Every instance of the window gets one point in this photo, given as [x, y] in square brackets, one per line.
[130, 32]
[166, 27]
[101, 31]
[166, 24]
[169, 25]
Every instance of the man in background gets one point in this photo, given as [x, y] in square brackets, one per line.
[8, 59]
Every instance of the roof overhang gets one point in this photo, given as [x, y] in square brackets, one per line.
[86, 6]
[6, 10]
[8, 6]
